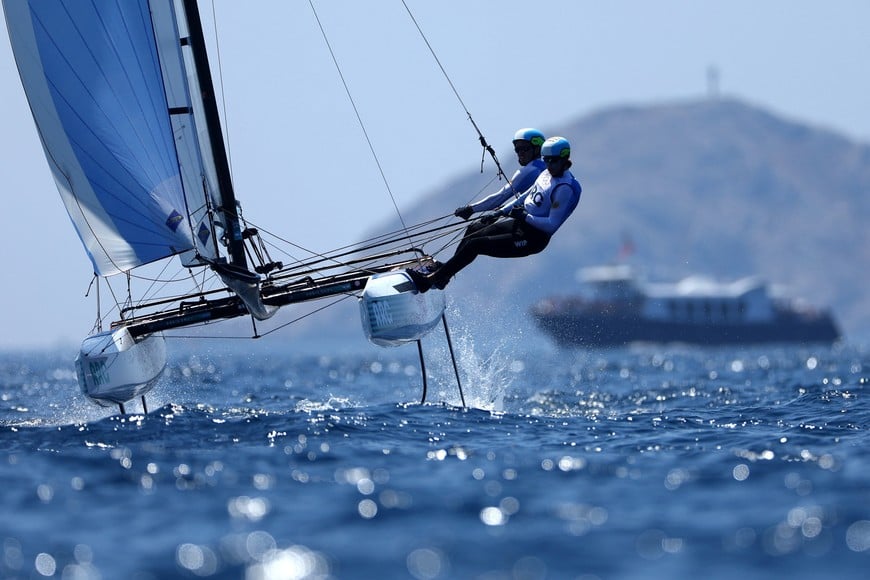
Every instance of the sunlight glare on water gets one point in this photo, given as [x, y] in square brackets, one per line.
[633, 463]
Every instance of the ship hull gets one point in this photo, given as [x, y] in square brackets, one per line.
[583, 329]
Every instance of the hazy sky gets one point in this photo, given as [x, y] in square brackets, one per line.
[300, 160]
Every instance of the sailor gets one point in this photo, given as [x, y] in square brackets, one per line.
[527, 145]
[520, 227]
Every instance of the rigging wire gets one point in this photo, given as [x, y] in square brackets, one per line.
[486, 146]
[357, 113]
[380, 240]
[220, 72]
[260, 335]
[374, 243]
[153, 287]
[406, 230]
[424, 232]
[306, 315]
[388, 240]
[98, 323]
[364, 245]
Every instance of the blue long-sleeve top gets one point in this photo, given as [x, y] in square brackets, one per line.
[522, 179]
[549, 202]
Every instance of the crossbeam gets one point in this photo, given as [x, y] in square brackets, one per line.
[196, 309]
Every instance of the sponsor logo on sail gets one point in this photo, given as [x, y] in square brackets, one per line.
[173, 220]
[203, 233]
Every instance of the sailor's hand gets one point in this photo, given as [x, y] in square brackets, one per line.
[489, 218]
[518, 212]
[463, 212]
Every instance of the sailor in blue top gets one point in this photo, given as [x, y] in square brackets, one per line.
[527, 145]
[520, 227]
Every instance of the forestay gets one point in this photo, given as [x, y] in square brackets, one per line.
[123, 100]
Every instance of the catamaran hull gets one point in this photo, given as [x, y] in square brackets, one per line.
[394, 313]
[113, 367]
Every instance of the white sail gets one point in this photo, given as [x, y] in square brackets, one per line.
[184, 99]
[109, 94]
[124, 104]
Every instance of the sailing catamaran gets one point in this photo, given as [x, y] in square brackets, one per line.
[123, 100]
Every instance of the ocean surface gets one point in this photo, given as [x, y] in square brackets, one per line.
[644, 462]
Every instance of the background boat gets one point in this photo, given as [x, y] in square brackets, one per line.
[615, 307]
[717, 187]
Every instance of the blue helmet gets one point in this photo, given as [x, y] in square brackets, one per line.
[533, 136]
[556, 147]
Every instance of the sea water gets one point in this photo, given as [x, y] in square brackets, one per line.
[643, 462]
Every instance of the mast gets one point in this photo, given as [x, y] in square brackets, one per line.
[196, 41]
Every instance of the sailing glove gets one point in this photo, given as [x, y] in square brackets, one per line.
[491, 217]
[518, 212]
[463, 212]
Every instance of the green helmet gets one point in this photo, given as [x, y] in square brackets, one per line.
[533, 136]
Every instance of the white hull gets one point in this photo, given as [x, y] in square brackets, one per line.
[113, 368]
[394, 313]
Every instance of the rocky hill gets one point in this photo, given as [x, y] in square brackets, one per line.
[714, 187]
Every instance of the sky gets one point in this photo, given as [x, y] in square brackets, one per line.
[301, 162]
